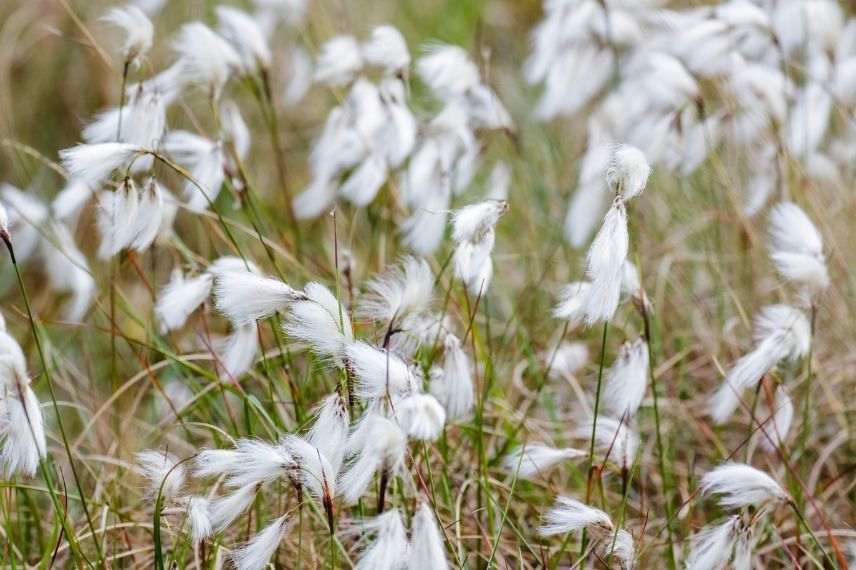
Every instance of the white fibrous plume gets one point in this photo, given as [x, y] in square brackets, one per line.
[627, 175]
[499, 182]
[711, 548]
[140, 121]
[740, 485]
[389, 548]
[796, 247]
[620, 545]
[92, 164]
[474, 235]
[783, 414]
[298, 73]
[420, 416]
[614, 438]
[627, 380]
[452, 384]
[128, 218]
[376, 445]
[339, 61]
[316, 472]
[322, 322]
[181, 297]
[205, 58]
[427, 551]
[329, 431]
[204, 159]
[447, 70]
[570, 515]
[566, 359]
[590, 200]
[387, 49]
[244, 34]
[251, 462]
[572, 302]
[256, 554]
[164, 472]
[244, 297]
[378, 372]
[22, 430]
[406, 288]
[138, 32]
[780, 333]
[225, 510]
[23, 217]
[531, 459]
[236, 353]
[68, 271]
[200, 521]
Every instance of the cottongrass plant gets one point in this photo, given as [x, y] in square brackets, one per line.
[285, 298]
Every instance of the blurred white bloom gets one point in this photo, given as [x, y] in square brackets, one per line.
[378, 372]
[605, 265]
[317, 474]
[256, 554]
[249, 41]
[22, 218]
[566, 359]
[251, 462]
[614, 438]
[22, 431]
[570, 515]
[499, 182]
[269, 12]
[387, 49]
[475, 235]
[628, 171]
[780, 332]
[427, 550]
[711, 547]
[530, 459]
[447, 70]
[68, 271]
[389, 549]
[320, 321]
[180, 297]
[809, 119]
[741, 485]
[453, 384]
[117, 213]
[376, 445]
[205, 58]
[137, 30]
[591, 198]
[200, 521]
[70, 200]
[783, 415]
[796, 247]
[420, 416]
[298, 72]
[339, 61]
[165, 475]
[572, 302]
[627, 379]
[204, 159]
[92, 164]
[244, 297]
[140, 121]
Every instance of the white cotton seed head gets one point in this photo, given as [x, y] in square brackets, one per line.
[627, 380]
[452, 385]
[322, 322]
[23, 217]
[68, 271]
[329, 431]
[621, 546]
[117, 218]
[789, 325]
[250, 463]
[473, 223]
[605, 265]
[204, 159]
[140, 121]
[223, 511]
[406, 288]
[796, 247]
[570, 515]
[22, 429]
[363, 184]
[387, 49]
[316, 472]
[200, 521]
[711, 548]
[783, 416]
[388, 550]
[92, 164]
[572, 302]
[531, 459]
[740, 485]
[339, 61]
[613, 437]
[427, 550]
[447, 70]
[237, 352]
[256, 554]
[180, 298]
[164, 473]
[378, 372]
[628, 171]
[244, 297]
[136, 28]
[205, 58]
[243, 32]
[376, 444]
[420, 416]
